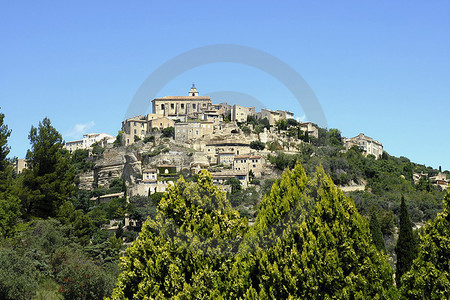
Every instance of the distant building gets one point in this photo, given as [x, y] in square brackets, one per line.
[249, 162]
[440, 180]
[274, 116]
[213, 149]
[192, 130]
[225, 158]
[134, 128]
[140, 126]
[181, 107]
[88, 140]
[220, 178]
[310, 128]
[418, 176]
[107, 198]
[20, 164]
[367, 144]
[240, 113]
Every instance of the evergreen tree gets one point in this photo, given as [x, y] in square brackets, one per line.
[308, 242]
[49, 181]
[329, 254]
[429, 277]
[9, 203]
[406, 248]
[375, 230]
[185, 251]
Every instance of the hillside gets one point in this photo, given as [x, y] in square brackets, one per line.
[89, 205]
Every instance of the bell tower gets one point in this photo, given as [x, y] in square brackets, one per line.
[193, 91]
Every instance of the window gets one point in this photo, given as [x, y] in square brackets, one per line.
[162, 106]
[142, 131]
[135, 131]
[172, 106]
[182, 106]
[193, 106]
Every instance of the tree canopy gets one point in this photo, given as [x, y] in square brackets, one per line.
[429, 277]
[49, 180]
[308, 242]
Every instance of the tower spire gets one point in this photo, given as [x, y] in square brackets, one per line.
[193, 91]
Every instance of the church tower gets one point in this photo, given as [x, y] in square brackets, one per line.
[193, 91]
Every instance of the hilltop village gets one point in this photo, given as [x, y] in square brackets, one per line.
[185, 134]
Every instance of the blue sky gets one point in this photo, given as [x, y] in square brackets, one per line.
[378, 67]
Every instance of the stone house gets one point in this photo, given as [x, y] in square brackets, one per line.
[88, 140]
[240, 113]
[219, 178]
[310, 128]
[367, 144]
[212, 149]
[19, 165]
[249, 162]
[225, 158]
[192, 130]
[181, 107]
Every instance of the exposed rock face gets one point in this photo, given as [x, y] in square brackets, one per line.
[87, 180]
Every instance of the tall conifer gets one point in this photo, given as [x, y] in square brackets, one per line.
[406, 249]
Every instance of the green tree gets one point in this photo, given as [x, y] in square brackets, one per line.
[234, 183]
[168, 132]
[429, 277]
[257, 145]
[49, 181]
[323, 248]
[246, 130]
[375, 230]
[18, 276]
[406, 248]
[9, 203]
[118, 140]
[183, 252]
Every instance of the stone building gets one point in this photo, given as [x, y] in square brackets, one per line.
[219, 178]
[19, 165]
[140, 126]
[249, 162]
[240, 113]
[181, 107]
[440, 180]
[367, 144]
[213, 149]
[160, 123]
[225, 158]
[310, 128]
[88, 140]
[134, 127]
[274, 116]
[192, 130]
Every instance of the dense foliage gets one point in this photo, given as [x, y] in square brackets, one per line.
[308, 242]
[294, 237]
[429, 277]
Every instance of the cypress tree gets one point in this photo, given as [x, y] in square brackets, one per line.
[328, 254]
[429, 277]
[186, 251]
[405, 249]
[308, 242]
[375, 230]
